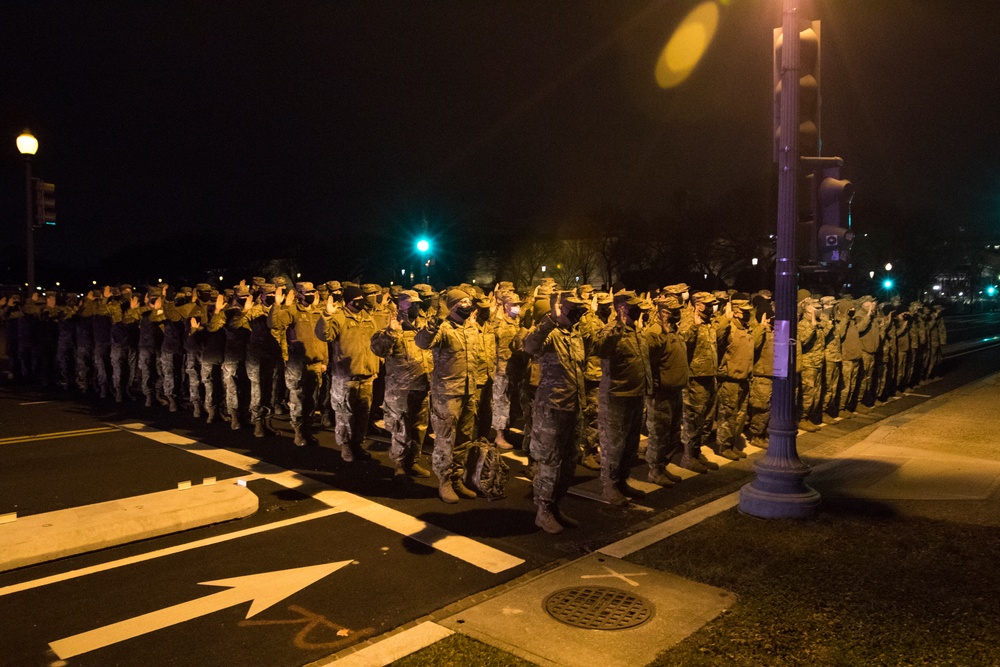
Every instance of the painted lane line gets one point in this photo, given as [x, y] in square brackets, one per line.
[264, 589]
[392, 648]
[34, 403]
[633, 543]
[58, 434]
[464, 548]
[169, 551]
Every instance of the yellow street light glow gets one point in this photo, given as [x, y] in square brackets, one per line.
[27, 144]
[687, 45]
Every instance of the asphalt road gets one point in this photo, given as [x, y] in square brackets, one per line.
[143, 603]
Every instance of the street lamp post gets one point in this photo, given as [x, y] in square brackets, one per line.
[27, 145]
[778, 490]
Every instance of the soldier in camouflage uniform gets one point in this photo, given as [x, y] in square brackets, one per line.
[850, 357]
[233, 319]
[811, 336]
[124, 341]
[559, 346]
[669, 371]
[625, 381]
[759, 403]
[701, 336]
[872, 334]
[509, 333]
[407, 383]
[264, 354]
[596, 318]
[737, 342]
[353, 367]
[457, 349]
[833, 358]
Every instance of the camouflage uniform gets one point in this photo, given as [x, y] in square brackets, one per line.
[150, 340]
[701, 392]
[664, 402]
[870, 330]
[562, 357]
[234, 321]
[509, 333]
[759, 402]
[812, 337]
[850, 357]
[84, 344]
[124, 341]
[737, 342]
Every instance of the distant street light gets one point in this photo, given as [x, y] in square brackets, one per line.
[754, 261]
[871, 274]
[888, 266]
[27, 145]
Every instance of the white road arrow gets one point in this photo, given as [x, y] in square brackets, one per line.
[265, 589]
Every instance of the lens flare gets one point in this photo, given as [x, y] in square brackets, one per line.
[687, 45]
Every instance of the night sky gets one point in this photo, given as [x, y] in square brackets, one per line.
[253, 129]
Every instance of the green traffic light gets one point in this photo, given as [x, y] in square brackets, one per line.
[423, 245]
[887, 284]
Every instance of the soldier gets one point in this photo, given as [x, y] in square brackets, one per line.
[151, 317]
[124, 343]
[264, 356]
[625, 381]
[65, 316]
[101, 324]
[811, 336]
[457, 349]
[353, 367]
[233, 320]
[407, 385]
[737, 342]
[508, 334]
[759, 402]
[904, 349]
[850, 357]
[869, 328]
[280, 405]
[212, 352]
[701, 337]
[596, 318]
[557, 343]
[939, 337]
[833, 358]
[333, 289]
[664, 402]
[84, 343]
[540, 307]
[300, 317]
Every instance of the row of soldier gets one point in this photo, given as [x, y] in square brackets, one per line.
[589, 370]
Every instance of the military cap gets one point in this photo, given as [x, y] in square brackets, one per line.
[154, 291]
[280, 281]
[742, 304]
[455, 295]
[667, 302]
[323, 290]
[510, 297]
[409, 295]
[703, 297]
[370, 288]
[242, 291]
[938, 307]
[423, 289]
[766, 293]
[203, 287]
[257, 281]
[803, 294]
[585, 291]
[603, 299]
[304, 287]
[229, 293]
[679, 288]
[505, 286]
[827, 300]
[186, 290]
[334, 286]
[548, 281]
[628, 297]
[721, 295]
[476, 290]
[483, 302]
[125, 287]
[395, 290]
[569, 296]
[352, 292]
[213, 295]
[866, 298]
[545, 289]
[268, 288]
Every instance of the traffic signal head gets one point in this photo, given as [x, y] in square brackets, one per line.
[832, 210]
[45, 203]
[809, 141]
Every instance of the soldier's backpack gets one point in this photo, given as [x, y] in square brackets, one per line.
[485, 470]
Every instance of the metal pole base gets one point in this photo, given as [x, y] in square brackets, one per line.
[778, 490]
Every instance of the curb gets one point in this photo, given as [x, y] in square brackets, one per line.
[44, 537]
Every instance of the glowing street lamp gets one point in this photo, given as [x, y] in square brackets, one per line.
[27, 146]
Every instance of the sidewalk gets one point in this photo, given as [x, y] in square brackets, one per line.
[898, 566]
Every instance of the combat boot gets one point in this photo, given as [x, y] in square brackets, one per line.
[234, 421]
[463, 491]
[711, 465]
[693, 464]
[171, 404]
[149, 402]
[659, 476]
[728, 453]
[415, 470]
[629, 491]
[501, 442]
[258, 429]
[545, 520]
[196, 408]
[326, 420]
[119, 396]
[529, 470]
[808, 426]
[565, 519]
[299, 438]
[447, 493]
[827, 419]
[613, 496]
[591, 462]
[759, 442]
[211, 412]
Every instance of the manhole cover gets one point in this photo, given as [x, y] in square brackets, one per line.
[598, 608]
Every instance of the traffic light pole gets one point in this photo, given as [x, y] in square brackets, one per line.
[29, 227]
[778, 490]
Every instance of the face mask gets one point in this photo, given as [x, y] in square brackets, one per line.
[413, 312]
[268, 300]
[515, 311]
[684, 296]
[356, 305]
[634, 313]
[575, 315]
[369, 301]
[309, 299]
[464, 311]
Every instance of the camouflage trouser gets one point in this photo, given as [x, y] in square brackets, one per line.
[553, 446]
[454, 422]
[699, 413]
[149, 378]
[934, 360]
[917, 372]
[84, 361]
[527, 398]
[123, 367]
[904, 369]
[663, 421]
[732, 400]
[351, 400]
[831, 386]
[407, 412]
[501, 402]
[302, 380]
[64, 363]
[589, 438]
[262, 373]
[759, 406]
[849, 389]
[619, 421]
[867, 372]
[192, 366]
[102, 367]
[209, 380]
[170, 368]
[884, 375]
[812, 385]
[230, 382]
